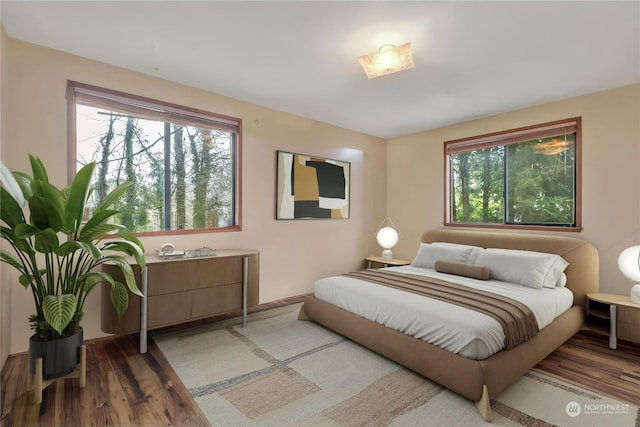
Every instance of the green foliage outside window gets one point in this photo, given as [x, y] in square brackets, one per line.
[529, 183]
[184, 176]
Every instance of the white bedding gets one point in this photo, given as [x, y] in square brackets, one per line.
[457, 329]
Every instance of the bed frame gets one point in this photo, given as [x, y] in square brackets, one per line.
[478, 380]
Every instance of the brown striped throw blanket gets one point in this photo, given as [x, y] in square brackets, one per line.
[517, 320]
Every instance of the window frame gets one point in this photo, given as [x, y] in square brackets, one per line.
[136, 104]
[504, 138]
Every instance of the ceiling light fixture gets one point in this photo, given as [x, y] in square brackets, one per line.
[555, 146]
[388, 59]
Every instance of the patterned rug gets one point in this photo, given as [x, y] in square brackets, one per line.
[279, 371]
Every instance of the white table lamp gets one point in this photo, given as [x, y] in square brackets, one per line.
[629, 265]
[387, 237]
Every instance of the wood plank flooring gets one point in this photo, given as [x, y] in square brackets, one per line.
[126, 388]
[587, 361]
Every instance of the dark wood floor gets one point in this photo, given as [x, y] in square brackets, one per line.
[587, 361]
[126, 388]
[123, 388]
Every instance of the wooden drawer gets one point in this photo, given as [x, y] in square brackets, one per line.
[629, 315]
[170, 277]
[217, 272]
[181, 276]
[629, 331]
[218, 299]
[229, 271]
[169, 309]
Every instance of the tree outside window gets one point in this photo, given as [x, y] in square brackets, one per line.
[183, 163]
[522, 178]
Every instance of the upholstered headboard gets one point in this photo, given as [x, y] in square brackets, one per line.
[582, 272]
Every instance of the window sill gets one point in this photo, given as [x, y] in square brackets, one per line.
[560, 229]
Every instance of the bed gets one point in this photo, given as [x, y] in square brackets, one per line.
[478, 380]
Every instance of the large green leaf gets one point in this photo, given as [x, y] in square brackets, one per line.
[24, 182]
[23, 245]
[10, 211]
[127, 272]
[78, 196]
[91, 279]
[97, 231]
[10, 259]
[131, 238]
[39, 215]
[98, 219]
[113, 196]
[53, 203]
[119, 298]
[38, 169]
[8, 181]
[25, 280]
[71, 246]
[128, 248]
[45, 240]
[58, 310]
[24, 231]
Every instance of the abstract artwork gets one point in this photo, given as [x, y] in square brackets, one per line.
[310, 187]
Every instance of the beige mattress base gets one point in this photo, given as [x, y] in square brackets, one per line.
[478, 380]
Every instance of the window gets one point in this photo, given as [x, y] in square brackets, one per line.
[522, 178]
[184, 162]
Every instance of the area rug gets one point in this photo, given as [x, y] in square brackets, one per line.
[280, 371]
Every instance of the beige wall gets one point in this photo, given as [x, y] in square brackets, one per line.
[293, 253]
[5, 291]
[610, 177]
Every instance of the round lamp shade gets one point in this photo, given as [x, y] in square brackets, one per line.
[629, 263]
[387, 237]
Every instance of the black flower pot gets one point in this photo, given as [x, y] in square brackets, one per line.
[59, 356]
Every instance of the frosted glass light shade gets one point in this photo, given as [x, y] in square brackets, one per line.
[389, 59]
[629, 263]
[387, 238]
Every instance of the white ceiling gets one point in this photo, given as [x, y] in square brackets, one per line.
[472, 58]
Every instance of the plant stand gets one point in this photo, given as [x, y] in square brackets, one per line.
[40, 384]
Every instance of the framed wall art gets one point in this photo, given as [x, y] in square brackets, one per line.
[311, 187]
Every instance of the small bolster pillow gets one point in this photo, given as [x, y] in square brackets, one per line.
[474, 271]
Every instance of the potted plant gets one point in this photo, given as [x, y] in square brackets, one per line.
[57, 251]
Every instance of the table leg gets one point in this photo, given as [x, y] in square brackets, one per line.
[143, 311]
[613, 322]
[245, 279]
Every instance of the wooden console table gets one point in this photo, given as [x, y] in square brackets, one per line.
[183, 289]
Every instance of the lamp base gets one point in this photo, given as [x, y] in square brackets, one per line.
[387, 254]
[635, 294]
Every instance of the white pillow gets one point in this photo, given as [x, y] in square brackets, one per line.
[473, 255]
[528, 268]
[428, 254]
[556, 272]
[562, 281]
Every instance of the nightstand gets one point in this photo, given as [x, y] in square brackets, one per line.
[379, 262]
[614, 315]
